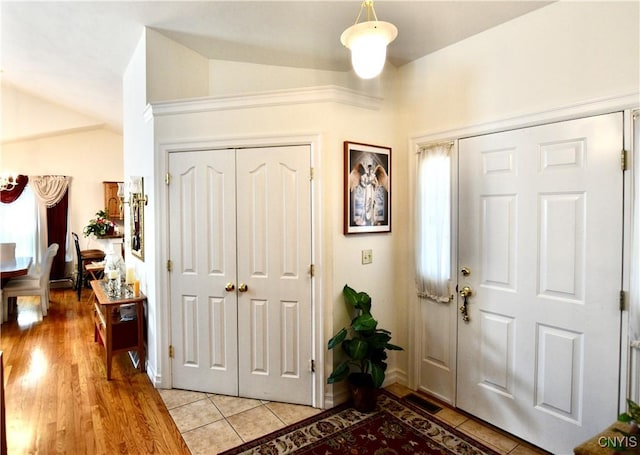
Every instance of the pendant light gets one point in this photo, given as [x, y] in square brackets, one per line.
[368, 42]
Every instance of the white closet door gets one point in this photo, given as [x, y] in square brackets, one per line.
[203, 255]
[241, 308]
[274, 254]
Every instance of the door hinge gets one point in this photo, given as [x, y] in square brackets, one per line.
[167, 178]
[171, 353]
[312, 270]
[623, 159]
[310, 173]
[312, 365]
[169, 265]
[622, 300]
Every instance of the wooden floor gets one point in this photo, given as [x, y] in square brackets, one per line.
[58, 399]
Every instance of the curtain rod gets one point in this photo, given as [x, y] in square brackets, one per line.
[436, 144]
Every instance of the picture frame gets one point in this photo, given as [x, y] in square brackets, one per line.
[367, 188]
[137, 201]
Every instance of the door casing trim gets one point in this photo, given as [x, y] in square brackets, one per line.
[623, 103]
[163, 327]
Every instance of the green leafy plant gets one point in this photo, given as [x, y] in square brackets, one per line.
[629, 442]
[367, 346]
[99, 226]
[632, 414]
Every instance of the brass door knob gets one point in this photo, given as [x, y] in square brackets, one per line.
[243, 287]
[230, 287]
[465, 291]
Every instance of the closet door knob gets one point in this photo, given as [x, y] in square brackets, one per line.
[229, 287]
[243, 287]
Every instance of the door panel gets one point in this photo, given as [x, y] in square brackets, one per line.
[274, 255]
[540, 228]
[203, 314]
[242, 217]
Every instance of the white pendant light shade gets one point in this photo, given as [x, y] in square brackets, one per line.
[368, 44]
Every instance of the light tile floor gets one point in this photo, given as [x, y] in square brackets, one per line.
[213, 423]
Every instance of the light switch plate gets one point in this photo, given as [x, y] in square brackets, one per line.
[367, 256]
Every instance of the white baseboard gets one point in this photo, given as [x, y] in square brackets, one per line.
[156, 379]
[395, 376]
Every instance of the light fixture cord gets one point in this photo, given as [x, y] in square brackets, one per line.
[370, 10]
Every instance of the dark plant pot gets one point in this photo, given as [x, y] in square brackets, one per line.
[363, 392]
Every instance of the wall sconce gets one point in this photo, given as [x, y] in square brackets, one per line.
[136, 192]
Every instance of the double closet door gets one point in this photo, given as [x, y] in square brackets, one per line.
[240, 248]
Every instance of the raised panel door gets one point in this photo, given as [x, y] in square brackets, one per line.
[540, 228]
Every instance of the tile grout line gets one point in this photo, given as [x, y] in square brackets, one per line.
[276, 415]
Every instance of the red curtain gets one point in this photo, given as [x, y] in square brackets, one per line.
[57, 233]
[9, 196]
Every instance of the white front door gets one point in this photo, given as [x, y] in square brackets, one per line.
[240, 246]
[540, 230]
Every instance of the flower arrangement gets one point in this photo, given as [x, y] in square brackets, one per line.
[99, 226]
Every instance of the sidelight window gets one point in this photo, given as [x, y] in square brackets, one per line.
[433, 219]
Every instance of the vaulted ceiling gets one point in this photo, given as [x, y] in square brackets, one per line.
[74, 53]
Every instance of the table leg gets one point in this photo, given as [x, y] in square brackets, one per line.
[108, 343]
[140, 311]
[94, 276]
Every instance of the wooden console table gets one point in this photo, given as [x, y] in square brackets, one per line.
[118, 335]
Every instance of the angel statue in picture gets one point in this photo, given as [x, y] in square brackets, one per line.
[369, 189]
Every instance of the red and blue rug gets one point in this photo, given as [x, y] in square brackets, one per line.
[397, 426]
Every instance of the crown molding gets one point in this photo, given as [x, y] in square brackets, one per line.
[307, 95]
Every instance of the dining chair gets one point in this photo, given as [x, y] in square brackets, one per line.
[37, 287]
[82, 257]
[7, 251]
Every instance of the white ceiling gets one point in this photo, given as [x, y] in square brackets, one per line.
[75, 53]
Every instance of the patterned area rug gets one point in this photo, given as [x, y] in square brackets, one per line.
[396, 427]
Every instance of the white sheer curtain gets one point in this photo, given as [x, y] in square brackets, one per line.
[24, 221]
[433, 219]
[49, 188]
[19, 223]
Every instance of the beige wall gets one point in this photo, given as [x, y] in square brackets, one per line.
[560, 56]
[172, 70]
[139, 162]
[65, 143]
[233, 78]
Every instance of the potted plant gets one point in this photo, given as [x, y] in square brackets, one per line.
[365, 350]
[628, 443]
[99, 226]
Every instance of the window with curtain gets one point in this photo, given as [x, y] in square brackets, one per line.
[433, 219]
[19, 223]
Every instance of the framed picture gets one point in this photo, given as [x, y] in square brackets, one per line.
[367, 188]
[137, 201]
